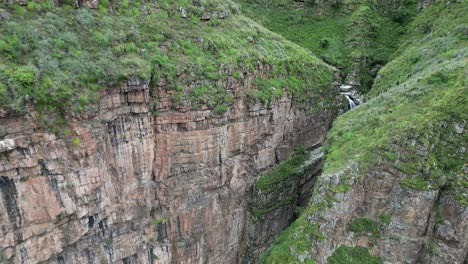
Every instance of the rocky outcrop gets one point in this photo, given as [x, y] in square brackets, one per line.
[127, 185]
[390, 223]
[275, 206]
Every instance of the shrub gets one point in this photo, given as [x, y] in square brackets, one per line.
[418, 184]
[4, 98]
[33, 6]
[159, 221]
[76, 142]
[364, 225]
[20, 10]
[431, 247]
[285, 169]
[24, 75]
[324, 43]
[385, 219]
[220, 109]
[353, 255]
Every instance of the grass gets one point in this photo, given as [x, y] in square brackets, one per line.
[431, 247]
[282, 171]
[364, 225]
[304, 28]
[158, 221]
[353, 255]
[279, 186]
[385, 219]
[76, 142]
[342, 188]
[259, 213]
[60, 59]
[353, 36]
[418, 184]
[303, 232]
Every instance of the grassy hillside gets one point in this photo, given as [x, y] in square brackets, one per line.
[420, 95]
[412, 124]
[59, 59]
[351, 35]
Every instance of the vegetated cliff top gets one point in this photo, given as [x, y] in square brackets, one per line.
[60, 58]
[411, 133]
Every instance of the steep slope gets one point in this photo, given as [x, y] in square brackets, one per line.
[133, 132]
[358, 37]
[394, 183]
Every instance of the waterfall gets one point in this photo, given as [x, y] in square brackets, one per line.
[351, 102]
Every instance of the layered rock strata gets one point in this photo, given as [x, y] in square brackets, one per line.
[126, 185]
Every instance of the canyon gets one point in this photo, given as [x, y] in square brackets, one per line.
[184, 132]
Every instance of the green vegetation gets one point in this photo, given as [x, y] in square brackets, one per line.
[280, 184]
[364, 225]
[259, 213]
[285, 169]
[353, 255]
[352, 35]
[159, 221]
[417, 103]
[431, 247]
[60, 59]
[415, 184]
[342, 188]
[414, 120]
[385, 219]
[76, 142]
[324, 34]
[303, 231]
[439, 219]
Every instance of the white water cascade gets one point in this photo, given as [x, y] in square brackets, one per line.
[351, 102]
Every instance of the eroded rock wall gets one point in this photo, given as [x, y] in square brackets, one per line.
[422, 226]
[273, 209]
[127, 185]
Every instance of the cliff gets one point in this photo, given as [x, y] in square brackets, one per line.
[136, 134]
[172, 188]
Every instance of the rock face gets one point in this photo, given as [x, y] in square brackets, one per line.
[127, 186]
[422, 226]
[274, 208]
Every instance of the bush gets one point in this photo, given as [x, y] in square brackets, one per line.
[285, 169]
[324, 43]
[418, 184]
[401, 16]
[33, 6]
[364, 225]
[76, 142]
[385, 219]
[220, 109]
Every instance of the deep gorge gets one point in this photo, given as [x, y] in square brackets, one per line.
[225, 132]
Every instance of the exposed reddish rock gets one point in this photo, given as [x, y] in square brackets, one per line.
[124, 185]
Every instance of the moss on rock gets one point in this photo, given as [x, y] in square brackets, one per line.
[353, 255]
